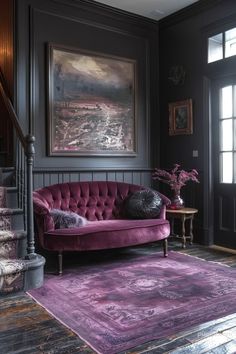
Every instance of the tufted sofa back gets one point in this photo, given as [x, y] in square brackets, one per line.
[93, 200]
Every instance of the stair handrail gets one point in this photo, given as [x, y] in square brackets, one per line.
[12, 114]
[27, 143]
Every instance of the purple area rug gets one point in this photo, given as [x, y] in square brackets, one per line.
[125, 303]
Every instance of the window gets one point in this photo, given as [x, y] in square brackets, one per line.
[215, 48]
[222, 45]
[227, 129]
[230, 43]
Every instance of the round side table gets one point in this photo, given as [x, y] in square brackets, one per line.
[183, 215]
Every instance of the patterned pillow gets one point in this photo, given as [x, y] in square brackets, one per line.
[144, 204]
[67, 219]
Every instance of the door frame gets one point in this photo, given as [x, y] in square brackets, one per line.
[208, 182]
[208, 179]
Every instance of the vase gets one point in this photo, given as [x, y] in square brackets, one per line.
[176, 202]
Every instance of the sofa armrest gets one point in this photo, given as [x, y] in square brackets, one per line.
[40, 207]
[43, 219]
[43, 223]
[162, 214]
[166, 201]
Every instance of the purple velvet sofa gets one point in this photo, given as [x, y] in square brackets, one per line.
[101, 203]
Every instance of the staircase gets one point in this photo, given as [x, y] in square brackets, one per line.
[18, 271]
[20, 267]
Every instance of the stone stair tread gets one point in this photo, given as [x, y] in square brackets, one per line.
[10, 211]
[11, 189]
[8, 235]
[11, 266]
[8, 169]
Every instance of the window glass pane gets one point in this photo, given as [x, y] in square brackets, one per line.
[226, 175]
[234, 181]
[226, 135]
[230, 42]
[215, 48]
[234, 100]
[234, 135]
[226, 102]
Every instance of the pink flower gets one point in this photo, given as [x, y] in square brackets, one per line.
[176, 178]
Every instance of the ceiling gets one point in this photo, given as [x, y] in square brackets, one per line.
[154, 9]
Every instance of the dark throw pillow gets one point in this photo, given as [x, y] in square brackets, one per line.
[144, 204]
[67, 219]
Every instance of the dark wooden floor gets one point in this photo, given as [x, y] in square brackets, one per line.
[26, 328]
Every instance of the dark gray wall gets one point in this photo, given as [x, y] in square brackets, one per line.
[183, 41]
[85, 25]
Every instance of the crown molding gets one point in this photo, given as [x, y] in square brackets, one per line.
[111, 12]
[189, 11]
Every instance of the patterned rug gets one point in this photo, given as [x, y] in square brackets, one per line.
[119, 305]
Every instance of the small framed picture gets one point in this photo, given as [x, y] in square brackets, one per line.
[181, 117]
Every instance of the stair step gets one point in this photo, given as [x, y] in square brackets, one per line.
[7, 235]
[12, 197]
[18, 272]
[12, 244]
[3, 199]
[10, 211]
[21, 274]
[11, 219]
[7, 176]
[11, 266]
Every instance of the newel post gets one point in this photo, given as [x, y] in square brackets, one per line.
[30, 214]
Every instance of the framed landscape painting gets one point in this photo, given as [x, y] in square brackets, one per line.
[91, 104]
[181, 117]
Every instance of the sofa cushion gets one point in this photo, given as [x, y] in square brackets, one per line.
[93, 200]
[67, 219]
[107, 234]
[143, 204]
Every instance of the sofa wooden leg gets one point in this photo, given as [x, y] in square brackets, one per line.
[165, 247]
[60, 263]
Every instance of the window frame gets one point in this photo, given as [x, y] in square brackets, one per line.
[222, 151]
[227, 25]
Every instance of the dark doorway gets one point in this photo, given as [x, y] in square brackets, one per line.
[224, 160]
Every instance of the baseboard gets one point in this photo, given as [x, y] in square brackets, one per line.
[224, 249]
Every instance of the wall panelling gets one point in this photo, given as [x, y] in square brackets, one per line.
[89, 26]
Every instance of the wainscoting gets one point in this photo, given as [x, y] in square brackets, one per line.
[43, 178]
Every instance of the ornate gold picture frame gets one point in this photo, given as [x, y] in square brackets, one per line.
[181, 117]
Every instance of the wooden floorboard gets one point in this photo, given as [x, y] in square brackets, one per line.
[26, 328]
